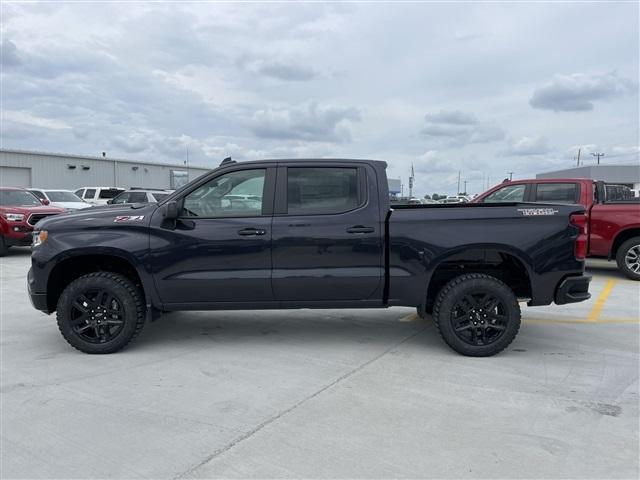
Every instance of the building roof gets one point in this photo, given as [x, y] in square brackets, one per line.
[103, 159]
[605, 173]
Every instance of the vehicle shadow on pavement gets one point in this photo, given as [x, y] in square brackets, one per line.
[281, 328]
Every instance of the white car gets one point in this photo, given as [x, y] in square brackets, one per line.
[140, 195]
[60, 198]
[98, 195]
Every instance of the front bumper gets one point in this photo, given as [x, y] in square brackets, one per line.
[20, 238]
[38, 300]
[573, 289]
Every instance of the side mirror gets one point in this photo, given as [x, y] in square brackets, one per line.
[171, 210]
[45, 201]
[110, 201]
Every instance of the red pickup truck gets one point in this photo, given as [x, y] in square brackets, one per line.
[20, 210]
[613, 218]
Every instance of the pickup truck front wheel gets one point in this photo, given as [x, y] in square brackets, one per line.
[628, 258]
[100, 312]
[477, 315]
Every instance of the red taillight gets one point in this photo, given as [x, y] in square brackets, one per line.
[580, 220]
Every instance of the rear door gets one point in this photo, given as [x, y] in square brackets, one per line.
[219, 250]
[327, 233]
[561, 192]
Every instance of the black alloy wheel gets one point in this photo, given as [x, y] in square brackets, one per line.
[97, 316]
[101, 312]
[477, 314]
[479, 318]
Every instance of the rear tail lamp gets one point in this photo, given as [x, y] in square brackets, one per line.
[579, 220]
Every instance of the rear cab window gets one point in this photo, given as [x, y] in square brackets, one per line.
[557, 192]
[324, 190]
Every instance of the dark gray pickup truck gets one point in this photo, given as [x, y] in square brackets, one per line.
[305, 234]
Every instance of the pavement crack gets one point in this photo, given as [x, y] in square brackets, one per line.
[281, 414]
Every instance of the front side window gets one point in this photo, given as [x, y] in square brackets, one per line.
[122, 198]
[79, 192]
[556, 193]
[322, 190]
[90, 193]
[234, 194]
[510, 193]
[38, 194]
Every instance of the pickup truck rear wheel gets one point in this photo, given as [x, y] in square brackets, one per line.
[477, 315]
[628, 258]
[100, 312]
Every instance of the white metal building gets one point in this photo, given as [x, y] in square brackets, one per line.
[20, 168]
[628, 175]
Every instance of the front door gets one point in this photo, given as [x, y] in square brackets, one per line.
[220, 248]
[327, 234]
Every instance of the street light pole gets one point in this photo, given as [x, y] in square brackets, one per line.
[598, 155]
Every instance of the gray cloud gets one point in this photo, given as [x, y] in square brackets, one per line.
[312, 122]
[456, 128]
[577, 92]
[9, 54]
[287, 71]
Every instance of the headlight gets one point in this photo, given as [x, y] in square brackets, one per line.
[14, 217]
[40, 237]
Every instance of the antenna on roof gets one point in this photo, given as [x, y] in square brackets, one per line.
[227, 161]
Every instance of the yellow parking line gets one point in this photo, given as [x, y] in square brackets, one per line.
[579, 320]
[597, 308]
[409, 318]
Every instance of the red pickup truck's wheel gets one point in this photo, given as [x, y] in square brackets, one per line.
[628, 258]
[477, 315]
[100, 312]
[3, 247]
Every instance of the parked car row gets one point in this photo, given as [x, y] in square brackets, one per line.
[21, 209]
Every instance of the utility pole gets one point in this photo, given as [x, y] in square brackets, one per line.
[578, 157]
[458, 191]
[411, 182]
[465, 187]
[510, 175]
[598, 155]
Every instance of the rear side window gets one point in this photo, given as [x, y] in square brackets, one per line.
[110, 192]
[557, 192]
[90, 193]
[510, 193]
[320, 190]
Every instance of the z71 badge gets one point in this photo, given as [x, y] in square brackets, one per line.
[128, 218]
[532, 212]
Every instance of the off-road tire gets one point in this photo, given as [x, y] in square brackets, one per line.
[623, 251]
[123, 291]
[3, 247]
[454, 291]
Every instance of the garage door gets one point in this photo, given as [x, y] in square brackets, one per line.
[15, 177]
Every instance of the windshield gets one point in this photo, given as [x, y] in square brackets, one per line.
[58, 196]
[18, 198]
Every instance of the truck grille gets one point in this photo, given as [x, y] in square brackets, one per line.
[36, 217]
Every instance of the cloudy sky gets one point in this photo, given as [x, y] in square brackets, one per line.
[481, 88]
